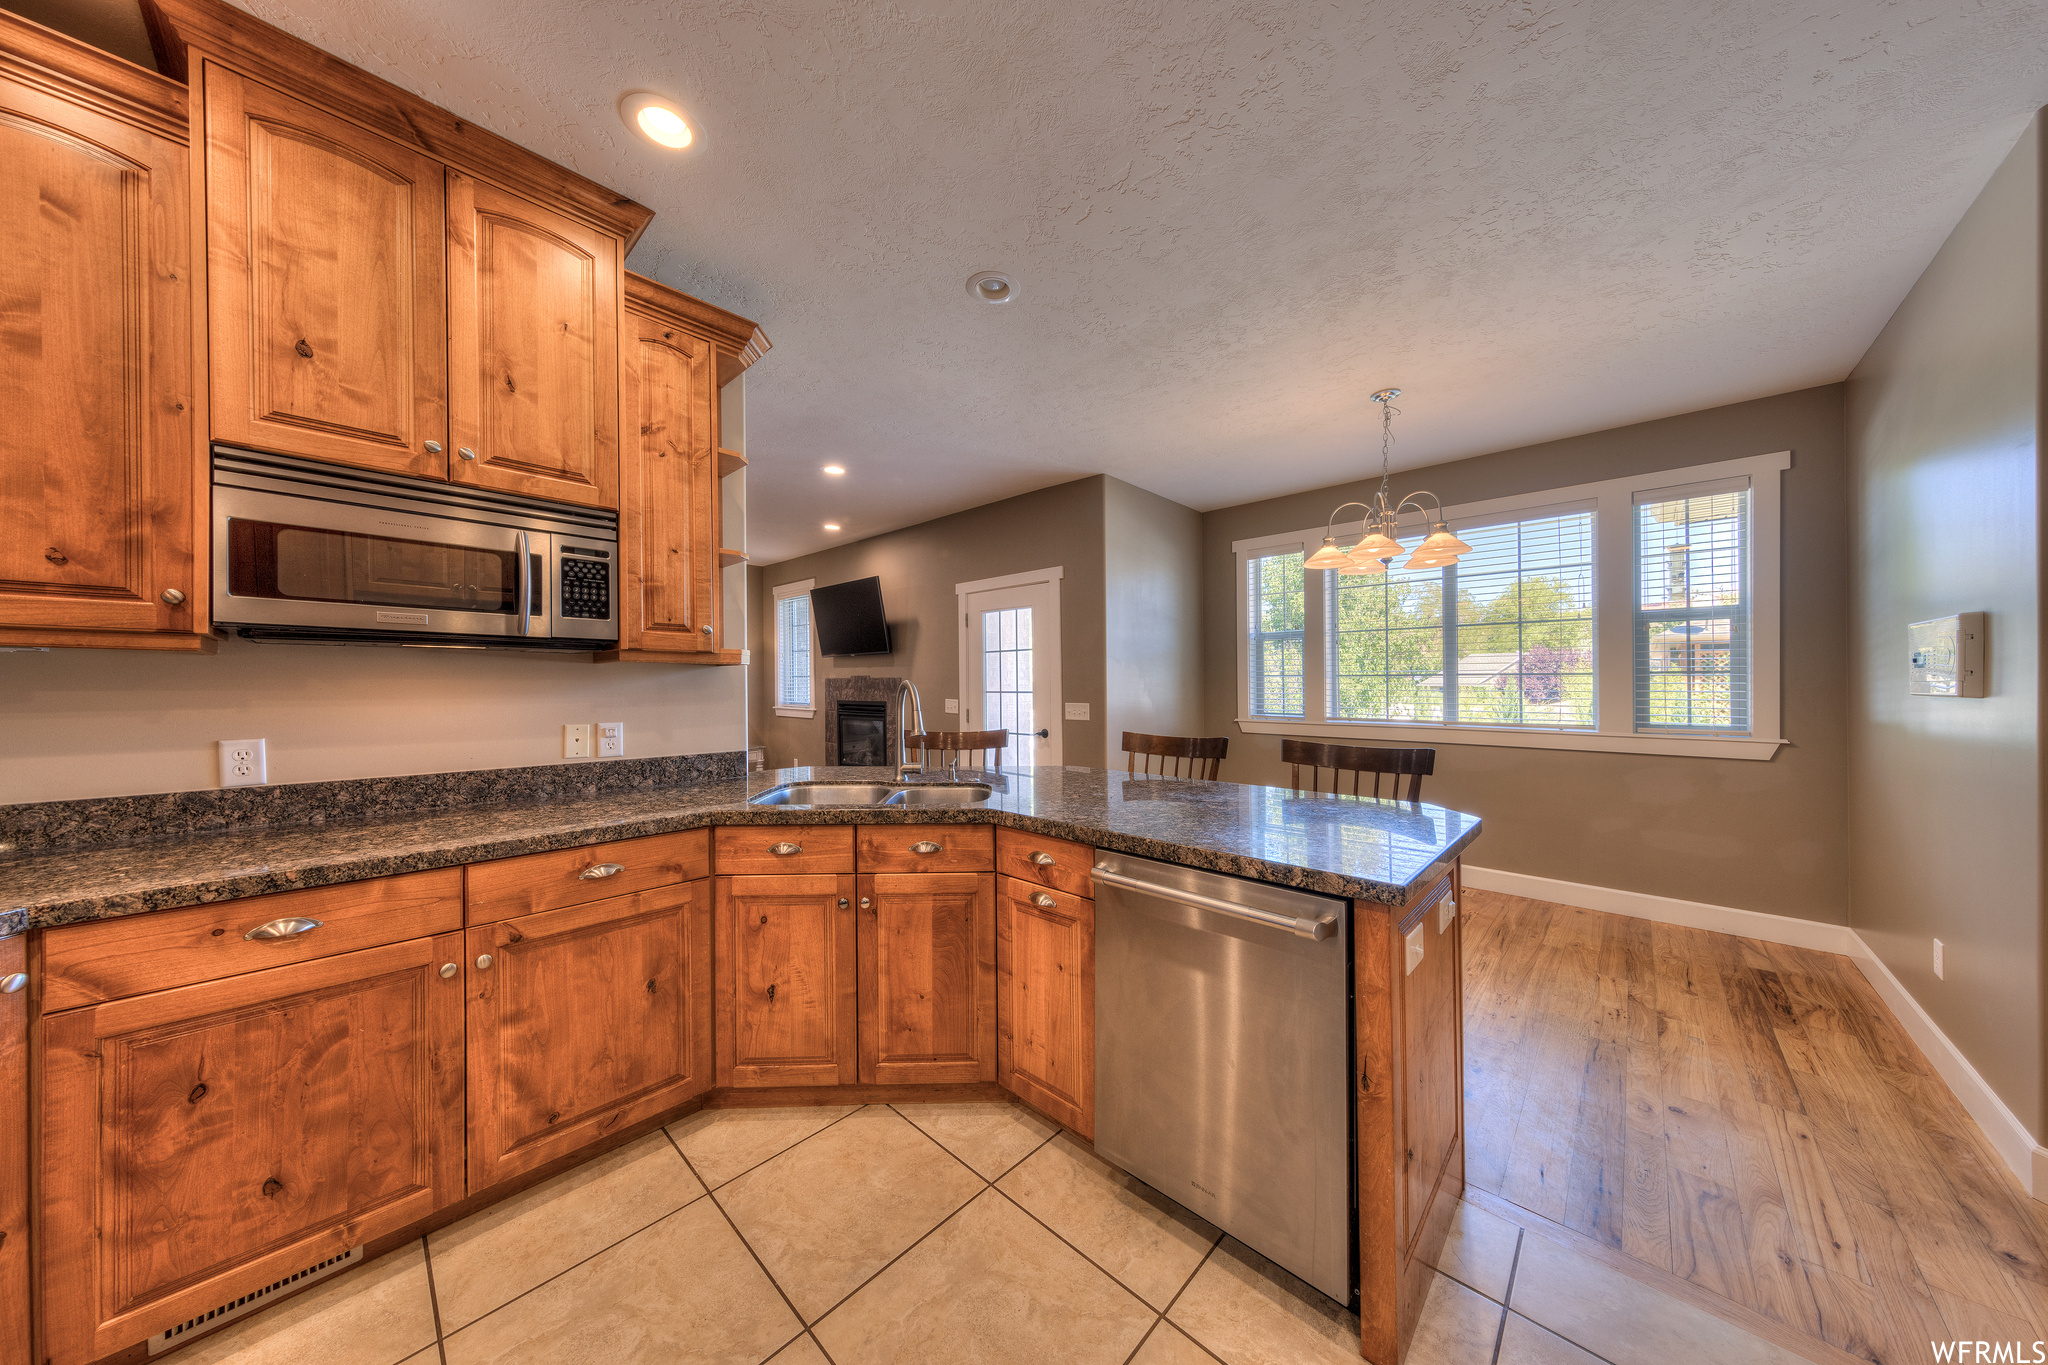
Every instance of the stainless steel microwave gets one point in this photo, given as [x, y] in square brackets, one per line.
[315, 552]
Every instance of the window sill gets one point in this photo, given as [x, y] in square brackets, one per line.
[1438, 736]
[797, 712]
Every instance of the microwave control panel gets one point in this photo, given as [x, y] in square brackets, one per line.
[586, 588]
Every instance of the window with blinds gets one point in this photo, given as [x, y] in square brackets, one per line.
[793, 650]
[1504, 637]
[1276, 610]
[1692, 609]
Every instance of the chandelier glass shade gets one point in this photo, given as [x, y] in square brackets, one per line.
[1374, 551]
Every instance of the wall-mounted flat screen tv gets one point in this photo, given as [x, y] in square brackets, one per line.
[849, 618]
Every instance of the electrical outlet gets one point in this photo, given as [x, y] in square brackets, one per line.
[611, 739]
[243, 763]
[1937, 958]
[952, 706]
[1077, 710]
[1446, 911]
[575, 741]
[1416, 947]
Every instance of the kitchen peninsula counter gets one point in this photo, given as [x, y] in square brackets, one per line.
[1363, 849]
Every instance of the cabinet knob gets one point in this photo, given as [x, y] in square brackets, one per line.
[1042, 859]
[293, 927]
[13, 982]
[483, 964]
[785, 849]
[707, 630]
[1042, 901]
[866, 903]
[465, 452]
[598, 870]
[842, 902]
[448, 971]
[433, 447]
[171, 597]
[927, 846]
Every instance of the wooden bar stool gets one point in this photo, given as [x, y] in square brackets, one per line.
[1186, 757]
[950, 744]
[1393, 764]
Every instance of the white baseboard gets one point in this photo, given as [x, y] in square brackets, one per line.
[2015, 1145]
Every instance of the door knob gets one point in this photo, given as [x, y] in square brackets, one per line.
[433, 447]
[171, 597]
[483, 964]
[866, 904]
[465, 452]
[448, 971]
[707, 630]
[842, 902]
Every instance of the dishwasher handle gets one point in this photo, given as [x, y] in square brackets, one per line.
[1321, 927]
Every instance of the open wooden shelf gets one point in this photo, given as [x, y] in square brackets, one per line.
[726, 557]
[730, 462]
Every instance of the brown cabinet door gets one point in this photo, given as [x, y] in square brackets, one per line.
[99, 466]
[927, 951]
[668, 492]
[534, 300]
[584, 1021]
[203, 1142]
[1045, 1001]
[1431, 1066]
[326, 249]
[786, 995]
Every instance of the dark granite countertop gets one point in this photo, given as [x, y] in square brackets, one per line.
[1341, 845]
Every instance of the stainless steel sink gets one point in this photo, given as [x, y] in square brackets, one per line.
[964, 795]
[851, 794]
[872, 794]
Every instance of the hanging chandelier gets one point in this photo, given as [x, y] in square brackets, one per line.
[1379, 545]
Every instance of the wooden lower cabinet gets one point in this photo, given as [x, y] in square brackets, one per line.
[1045, 1001]
[1411, 1150]
[786, 997]
[15, 1297]
[583, 1021]
[926, 948]
[203, 1142]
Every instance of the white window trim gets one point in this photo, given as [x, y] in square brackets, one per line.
[798, 589]
[1613, 504]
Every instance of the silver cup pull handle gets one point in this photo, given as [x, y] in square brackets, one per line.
[1042, 859]
[599, 870]
[293, 927]
[927, 846]
[785, 849]
[1042, 901]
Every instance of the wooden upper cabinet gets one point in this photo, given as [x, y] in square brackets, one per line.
[668, 493]
[585, 1021]
[325, 251]
[102, 503]
[784, 951]
[201, 1143]
[534, 304]
[927, 951]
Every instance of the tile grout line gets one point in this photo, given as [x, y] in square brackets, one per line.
[880, 1271]
[1084, 1255]
[1199, 1344]
[804, 1328]
[764, 1160]
[434, 1301]
[1500, 1333]
[891, 1106]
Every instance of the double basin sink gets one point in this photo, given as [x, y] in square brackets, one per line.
[873, 794]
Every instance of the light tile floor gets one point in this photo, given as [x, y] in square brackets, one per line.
[921, 1233]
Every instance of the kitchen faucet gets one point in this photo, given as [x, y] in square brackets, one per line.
[904, 767]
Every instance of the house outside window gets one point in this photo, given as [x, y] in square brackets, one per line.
[1630, 615]
[794, 663]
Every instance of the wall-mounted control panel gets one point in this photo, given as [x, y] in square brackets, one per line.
[1948, 657]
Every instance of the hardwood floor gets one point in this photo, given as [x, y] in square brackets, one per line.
[1747, 1117]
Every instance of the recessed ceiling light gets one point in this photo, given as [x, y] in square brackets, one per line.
[656, 119]
[831, 525]
[835, 469]
[991, 286]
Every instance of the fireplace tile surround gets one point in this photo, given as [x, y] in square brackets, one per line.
[863, 689]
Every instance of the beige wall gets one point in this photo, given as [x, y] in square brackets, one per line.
[918, 565]
[1945, 807]
[106, 722]
[1152, 553]
[1767, 836]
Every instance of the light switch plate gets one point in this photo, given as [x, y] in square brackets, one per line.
[1446, 911]
[611, 739]
[1415, 947]
[575, 741]
[1077, 710]
[243, 763]
[952, 706]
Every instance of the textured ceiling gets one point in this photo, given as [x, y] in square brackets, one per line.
[1228, 222]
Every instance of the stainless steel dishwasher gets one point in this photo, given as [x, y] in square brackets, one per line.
[1223, 1056]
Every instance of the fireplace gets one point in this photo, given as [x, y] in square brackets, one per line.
[863, 734]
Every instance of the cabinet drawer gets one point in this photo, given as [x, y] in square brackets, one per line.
[85, 964]
[927, 848]
[570, 876]
[750, 850]
[1071, 870]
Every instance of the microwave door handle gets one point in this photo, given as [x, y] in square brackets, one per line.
[525, 583]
